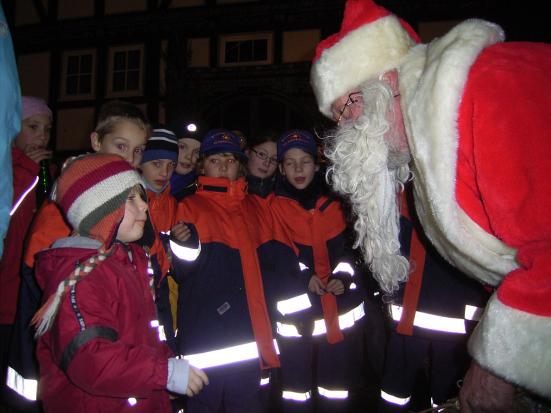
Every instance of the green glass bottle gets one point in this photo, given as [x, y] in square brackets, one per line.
[44, 185]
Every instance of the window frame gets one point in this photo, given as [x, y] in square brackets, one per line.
[66, 55]
[111, 68]
[224, 39]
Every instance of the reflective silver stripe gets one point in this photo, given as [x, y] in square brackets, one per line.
[160, 329]
[264, 381]
[287, 330]
[185, 253]
[303, 266]
[353, 286]
[132, 401]
[473, 313]
[333, 394]
[224, 356]
[296, 396]
[293, 305]
[22, 386]
[344, 267]
[23, 196]
[346, 320]
[431, 321]
[400, 401]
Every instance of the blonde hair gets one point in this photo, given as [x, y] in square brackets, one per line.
[116, 111]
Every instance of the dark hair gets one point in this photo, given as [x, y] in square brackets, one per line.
[268, 135]
[199, 167]
[114, 111]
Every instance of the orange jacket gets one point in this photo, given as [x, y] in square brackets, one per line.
[48, 226]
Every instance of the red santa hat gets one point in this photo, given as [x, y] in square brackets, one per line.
[370, 42]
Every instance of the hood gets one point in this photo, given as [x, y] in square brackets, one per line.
[55, 264]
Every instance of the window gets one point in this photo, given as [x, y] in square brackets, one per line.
[246, 49]
[125, 71]
[78, 75]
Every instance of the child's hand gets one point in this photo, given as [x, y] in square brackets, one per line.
[180, 232]
[197, 379]
[315, 285]
[335, 287]
[38, 153]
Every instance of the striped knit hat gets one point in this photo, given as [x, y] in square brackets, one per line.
[162, 145]
[92, 192]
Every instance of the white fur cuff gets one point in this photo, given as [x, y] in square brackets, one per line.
[515, 345]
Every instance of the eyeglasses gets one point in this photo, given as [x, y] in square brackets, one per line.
[354, 97]
[264, 156]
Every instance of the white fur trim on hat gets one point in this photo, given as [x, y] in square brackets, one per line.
[362, 54]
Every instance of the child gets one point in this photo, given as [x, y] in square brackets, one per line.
[158, 163]
[183, 181]
[235, 255]
[97, 349]
[30, 147]
[121, 129]
[262, 164]
[318, 228]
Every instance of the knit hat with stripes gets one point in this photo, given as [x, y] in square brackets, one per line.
[92, 192]
[162, 145]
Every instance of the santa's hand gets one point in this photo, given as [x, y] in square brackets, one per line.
[484, 392]
[197, 379]
[315, 285]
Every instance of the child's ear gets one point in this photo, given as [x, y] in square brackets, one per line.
[95, 141]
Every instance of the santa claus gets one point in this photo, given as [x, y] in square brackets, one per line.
[467, 118]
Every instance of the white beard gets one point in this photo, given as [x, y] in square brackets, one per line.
[370, 167]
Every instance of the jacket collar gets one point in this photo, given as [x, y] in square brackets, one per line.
[232, 189]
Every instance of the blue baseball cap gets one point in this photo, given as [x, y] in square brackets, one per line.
[296, 138]
[221, 141]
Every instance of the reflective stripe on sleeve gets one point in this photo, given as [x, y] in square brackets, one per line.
[399, 401]
[224, 356]
[344, 267]
[296, 396]
[333, 394]
[294, 305]
[431, 321]
[23, 196]
[185, 253]
[22, 386]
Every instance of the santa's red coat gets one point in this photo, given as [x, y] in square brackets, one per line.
[477, 113]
